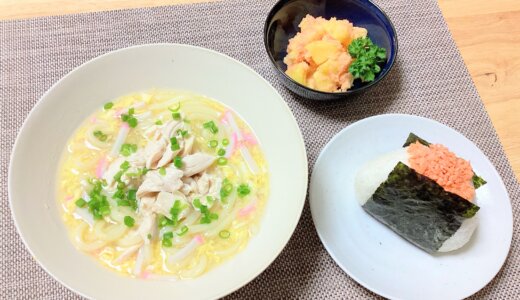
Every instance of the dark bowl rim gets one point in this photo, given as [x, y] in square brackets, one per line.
[279, 5]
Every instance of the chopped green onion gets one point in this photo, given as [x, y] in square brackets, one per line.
[174, 144]
[129, 118]
[221, 161]
[129, 221]
[81, 202]
[104, 210]
[167, 239]
[149, 236]
[121, 202]
[158, 122]
[124, 166]
[210, 200]
[177, 162]
[132, 194]
[175, 109]
[162, 171]
[182, 133]
[175, 211]
[183, 231]
[176, 115]
[108, 105]
[213, 144]
[132, 122]
[210, 125]
[225, 142]
[224, 234]
[167, 242]
[121, 185]
[119, 194]
[225, 190]
[207, 216]
[196, 203]
[221, 152]
[98, 205]
[164, 221]
[100, 135]
[128, 149]
[118, 175]
[243, 190]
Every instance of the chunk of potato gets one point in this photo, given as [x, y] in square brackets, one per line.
[340, 30]
[326, 76]
[299, 72]
[321, 51]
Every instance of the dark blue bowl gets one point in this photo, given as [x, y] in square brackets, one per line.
[282, 24]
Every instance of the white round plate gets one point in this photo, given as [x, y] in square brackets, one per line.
[33, 168]
[374, 255]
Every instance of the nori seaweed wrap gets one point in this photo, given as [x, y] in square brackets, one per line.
[418, 208]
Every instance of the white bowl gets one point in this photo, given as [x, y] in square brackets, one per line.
[33, 168]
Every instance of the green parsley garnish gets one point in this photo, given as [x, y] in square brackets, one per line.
[129, 221]
[108, 105]
[243, 190]
[367, 57]
[210, 125]
[100, 135]
[127, 149]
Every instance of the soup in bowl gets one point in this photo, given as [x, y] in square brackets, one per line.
[162, 184]
[163, 170]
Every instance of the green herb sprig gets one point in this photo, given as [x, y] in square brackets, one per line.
[367, 57]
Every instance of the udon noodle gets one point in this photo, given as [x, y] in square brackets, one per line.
[162, 184]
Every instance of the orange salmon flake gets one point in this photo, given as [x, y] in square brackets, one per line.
[438, 163]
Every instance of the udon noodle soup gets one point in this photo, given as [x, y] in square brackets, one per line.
[162, 184]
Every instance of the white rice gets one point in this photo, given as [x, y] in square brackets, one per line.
[376, 171]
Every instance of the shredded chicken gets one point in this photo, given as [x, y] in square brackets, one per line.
[165, 201]
[196, 163]
[154, 182]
